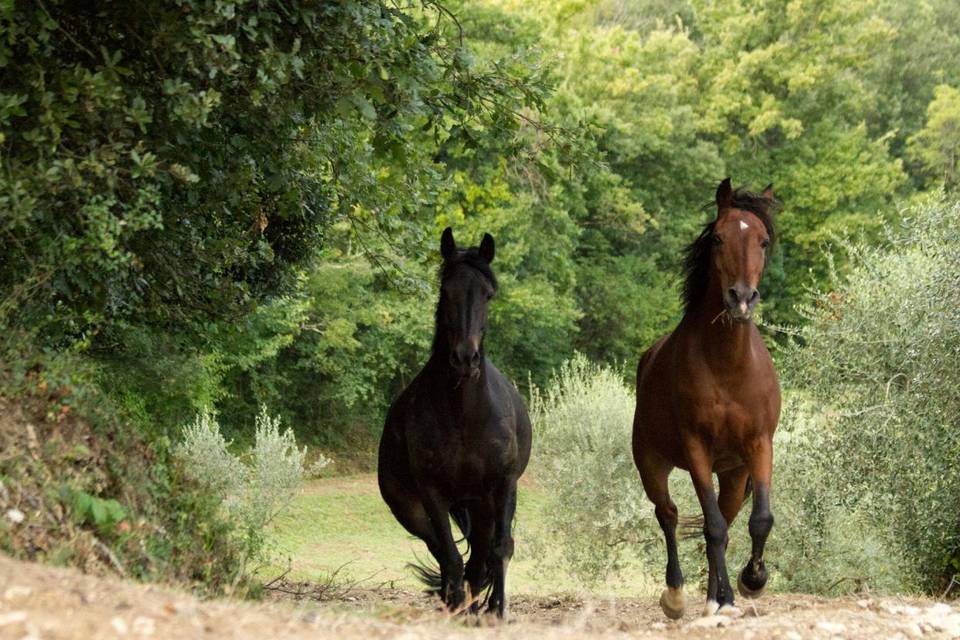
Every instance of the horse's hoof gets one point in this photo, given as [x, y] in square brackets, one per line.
[730, 610]
[746, 591]
[672, 602]
[710, 608]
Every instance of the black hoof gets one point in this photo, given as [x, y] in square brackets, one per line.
[752, 580]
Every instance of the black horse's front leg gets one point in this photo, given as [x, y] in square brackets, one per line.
[451, 562]
[502, 550]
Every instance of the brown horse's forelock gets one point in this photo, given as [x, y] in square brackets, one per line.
[696, 257]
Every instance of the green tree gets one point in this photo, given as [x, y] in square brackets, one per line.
[937, 146]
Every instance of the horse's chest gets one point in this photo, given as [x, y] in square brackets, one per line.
[466, 455]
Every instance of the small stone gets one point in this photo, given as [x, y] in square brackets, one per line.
[16, 592]
[913, 630]
[658, 626]
[833, 628]
[792, 635]
[863, 604]
[708, 622]
[12, 618]
[119, 626]
[144, 626]
[15, 516]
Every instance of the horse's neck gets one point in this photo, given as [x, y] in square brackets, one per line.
[464, 394]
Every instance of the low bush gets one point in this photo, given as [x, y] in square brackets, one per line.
[254, 487]
[877, 363]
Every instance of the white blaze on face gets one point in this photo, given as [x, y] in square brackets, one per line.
[743, 226]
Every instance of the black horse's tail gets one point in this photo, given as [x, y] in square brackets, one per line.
[426, 570]
[692, 526]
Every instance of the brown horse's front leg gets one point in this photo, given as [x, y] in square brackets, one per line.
[753, 578]
[451, 562]
[719, 594]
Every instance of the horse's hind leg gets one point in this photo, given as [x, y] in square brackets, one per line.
[396, 487]
[655, 473]
[719, 594]
[447, 554]
[505, 506]
[753, 578]
[733, 485]
[477, 572]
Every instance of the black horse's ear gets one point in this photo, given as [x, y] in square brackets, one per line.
[724, 195]
[448, 246]
[487, 248]
[768, 192]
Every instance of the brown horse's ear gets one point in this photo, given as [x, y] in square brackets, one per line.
[448, 246]
[487, 248]
[724, 195]
[768, 192]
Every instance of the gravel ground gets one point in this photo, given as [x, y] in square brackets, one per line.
[38, 601]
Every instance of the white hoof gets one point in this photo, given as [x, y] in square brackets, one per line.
[710, 608]
[672, 602]
[746, 591]
[730, 611]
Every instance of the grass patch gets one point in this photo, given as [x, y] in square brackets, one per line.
[343, 522]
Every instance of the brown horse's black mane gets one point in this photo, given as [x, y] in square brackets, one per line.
[696, 257]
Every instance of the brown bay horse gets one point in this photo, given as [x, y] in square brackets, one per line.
[457, 440]
[708, 399]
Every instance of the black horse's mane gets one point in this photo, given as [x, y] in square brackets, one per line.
[470, 257]
[696, 257]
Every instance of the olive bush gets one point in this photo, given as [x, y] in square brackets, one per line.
[254, 487]
[878, 365]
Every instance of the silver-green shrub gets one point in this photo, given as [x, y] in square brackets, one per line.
[596, 512]
[879, 364]
[254, 486]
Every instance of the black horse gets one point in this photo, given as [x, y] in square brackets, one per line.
[457, 440]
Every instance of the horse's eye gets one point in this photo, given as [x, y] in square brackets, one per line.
[717, 239]
[764, 244]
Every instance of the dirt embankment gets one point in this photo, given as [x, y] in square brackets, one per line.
[38, 601]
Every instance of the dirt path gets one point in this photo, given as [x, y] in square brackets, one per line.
[40, 602]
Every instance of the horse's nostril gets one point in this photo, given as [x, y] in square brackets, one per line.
[475, 358]
[753, 298]
[732, 293]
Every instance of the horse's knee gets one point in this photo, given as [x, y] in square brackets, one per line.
[760, 524]
[503, 550]
[715, 531]
[666, 515]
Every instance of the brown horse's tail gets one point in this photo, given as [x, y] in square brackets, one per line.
[427, 571]
[692, 526]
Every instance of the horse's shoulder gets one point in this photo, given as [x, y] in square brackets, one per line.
[650, 356]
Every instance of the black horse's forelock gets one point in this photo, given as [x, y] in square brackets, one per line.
[696, 257]
[470, 257]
